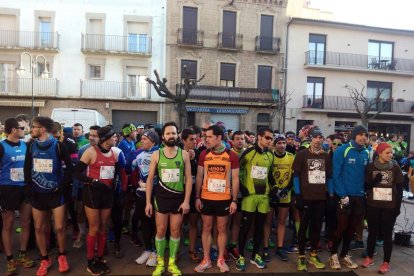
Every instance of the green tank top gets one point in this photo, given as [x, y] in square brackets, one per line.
[171, 174]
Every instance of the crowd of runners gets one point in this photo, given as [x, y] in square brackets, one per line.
[234, 191]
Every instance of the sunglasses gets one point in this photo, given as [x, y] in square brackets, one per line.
[337, 144]
[268, 138]
[35, 127]
[21, 128]
[204, 129]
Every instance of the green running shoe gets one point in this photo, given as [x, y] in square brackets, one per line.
[160, 268]
[173, 269]
[302, 264]
[258, 261]
[314, 260]
[241, 264]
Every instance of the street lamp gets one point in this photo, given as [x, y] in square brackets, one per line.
[33, 62]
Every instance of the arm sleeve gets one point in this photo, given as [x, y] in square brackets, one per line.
[296, 183]
[121, 164]
[65, 157]
[78, 173]
[27, 169]
[338, 162]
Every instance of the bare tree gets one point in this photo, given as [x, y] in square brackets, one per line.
[180, 98]
[278, 108]
[367, 108]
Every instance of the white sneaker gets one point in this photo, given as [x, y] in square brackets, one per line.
[334, 262]
[78, 243]
[143, 258]
[152, 260]
[347, 260]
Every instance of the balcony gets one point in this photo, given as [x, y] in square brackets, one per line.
[232, 94]
[99, 89]
[190, 37]
[343, 103]
[23, 87]
[267, 44]
[116, 44]
[230, 41]
[361, 63]
[19, 40]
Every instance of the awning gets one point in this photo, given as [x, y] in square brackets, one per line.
[22, 103]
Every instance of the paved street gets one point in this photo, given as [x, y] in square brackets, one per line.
[127, 266]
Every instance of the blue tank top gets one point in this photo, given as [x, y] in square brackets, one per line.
[12, 164]
[47, 171]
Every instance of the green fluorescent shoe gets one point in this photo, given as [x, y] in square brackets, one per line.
[258, 261]
[249, 246]
[314, 260]
[240, 264]
[159, 270]
[302, 264]
[173, 269]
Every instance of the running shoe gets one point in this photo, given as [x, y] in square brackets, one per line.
[281, 253]
[293, 249]
[334, 262]
[213, 254]
[173, 269]
[101, 264]
[241, 264]
[193, 257]
[11, 268]
[44, 265]
[233, 252]
[226, 256]
[78, 243]
[356, 245]
[63, 264]
[367, 262]
[347, 260]
[24, 261]
[221, 264]
[301, 266]
[271, 244]
[205, 264]
[159, 269]
[266, 256]
[257, 260]
[94, 269]
[152, 260]
[314, 260]
[384, 268]
[379, 243]
[143, 258]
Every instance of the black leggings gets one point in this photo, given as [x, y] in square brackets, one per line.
[347, 220]
[380, 218]
[311, 215]
[116, 216]
[246, 222]
[330, 216]
[147, 224]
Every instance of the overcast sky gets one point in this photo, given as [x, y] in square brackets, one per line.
[397, 14]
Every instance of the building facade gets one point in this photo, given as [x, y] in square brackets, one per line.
[98, 54]
[239, 47]
[325, 59]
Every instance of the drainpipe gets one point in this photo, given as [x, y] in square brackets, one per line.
[285, 69]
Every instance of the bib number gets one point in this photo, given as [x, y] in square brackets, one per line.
[170, 175]
[16, 174]
[43, 165]
[382, 194]
[259, 172]
[316, 177]
[216, 185]
[107, 172]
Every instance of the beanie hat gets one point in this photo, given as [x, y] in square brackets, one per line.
[315, 132]
[67, 130]
[105, 133]
[128, 130]
[381, 147]
[358, 130]
[279, 137]
[152, 135]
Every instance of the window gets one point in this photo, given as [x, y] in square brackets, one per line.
[314, 92]
[227, 74]
[380, 54]
[316, 49]
[266, 33]
[45, 32]
[263, 120]
[229, 29]
[138, 87]
[264, 77]
[137, 43]
[41, 67]
[7, 73]
[190, 25]
[380, 95]
[191, 66]
[95, 71]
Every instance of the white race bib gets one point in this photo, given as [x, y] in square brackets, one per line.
[16, 174]
[43, 165]
[107, 172]
[259, 172]
[316, 177]
[216, 185]
[383, 194]
[170, 175]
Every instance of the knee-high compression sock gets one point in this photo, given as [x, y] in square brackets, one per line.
[174, 246]
[160, 246]
[90, 246]
[101, 244]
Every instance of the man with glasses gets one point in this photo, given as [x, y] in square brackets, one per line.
[12, 194]
[44, 173]
[349, 163]
[256, 171]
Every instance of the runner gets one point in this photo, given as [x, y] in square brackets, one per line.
[171, 197]
[217, 187]
[43, 171]
[78, 134]
[12, 194]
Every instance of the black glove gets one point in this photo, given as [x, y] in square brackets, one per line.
[283, 192]
[299, 203]
[274, 196]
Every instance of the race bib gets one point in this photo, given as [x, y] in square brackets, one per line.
[142, 186]
[216, 185]
[259, 172]
[383, 194]
[170, 175]
[107, 172]
[16, 174]
[43, 165]
[316, 177]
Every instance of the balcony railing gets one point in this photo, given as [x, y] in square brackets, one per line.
[231, 94]
[367, 62]
[190, 37]
[230, 41]
[29, 40]
[117, 90]
[344, 103]
[140, 44]
[267, 44]
[23, 86]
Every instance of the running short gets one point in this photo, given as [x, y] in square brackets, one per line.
[47, 201]
[168, 205]
[256, 203]
[11, 197]
[97, 198]
[219, 208]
